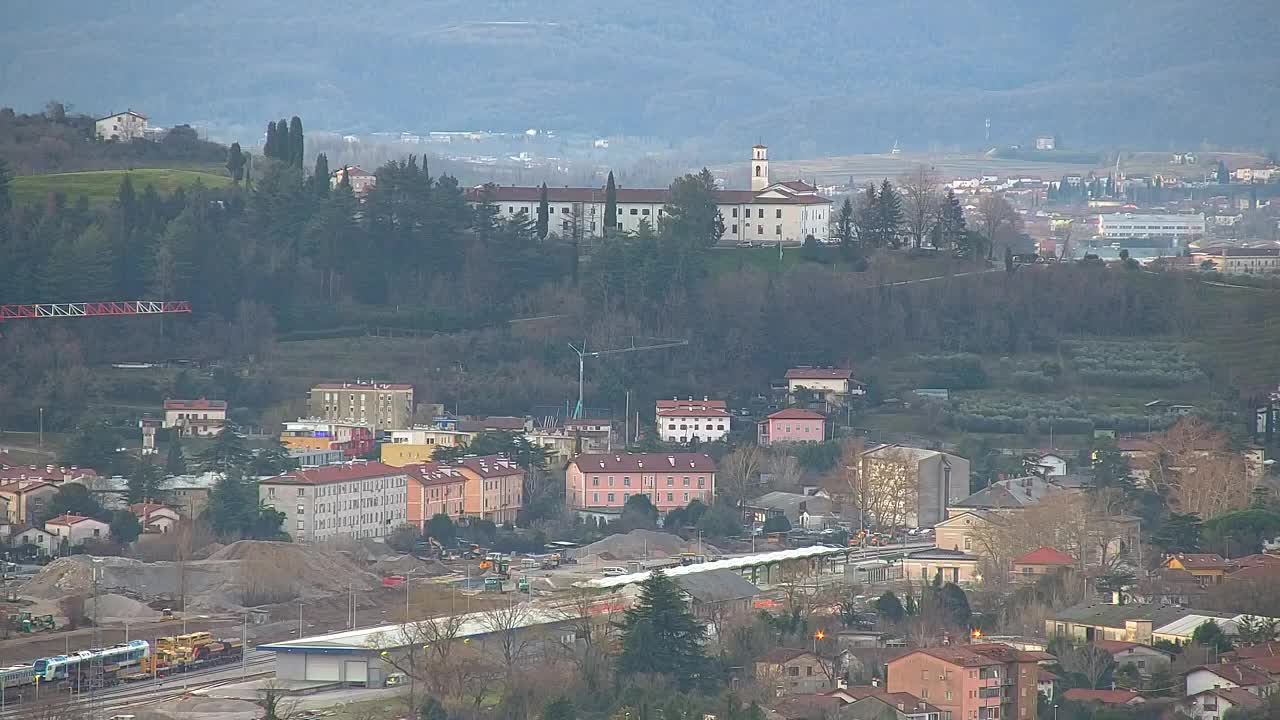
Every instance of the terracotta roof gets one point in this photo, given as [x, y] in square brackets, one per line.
[1007, 653]
[1045, 556]
[430, 474]
[491, 466]
[201, 404]
[1238, 697]
[1043, 675]
[362, 386]
[1240, 673]
[812, 373]
[1269, 665]
[1270, 648]
[693, 412]
[956, 655]
[24, 486]
[690, 403]
[1106, 697]
[67, 520]
[805, 706]
[358, 470]
[797, 414]
[781, 655]
[48, 473]
[1200, 561]
[644, 462]
[146, 508]
[1260, 571]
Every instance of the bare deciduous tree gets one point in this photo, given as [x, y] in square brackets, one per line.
[783, 470]
[739, 475]
[885, 485]
[275, 703]
[920, 198]
[998, 222]
[1197, 472]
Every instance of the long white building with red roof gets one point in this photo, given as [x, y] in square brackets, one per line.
[684, 421]
[769, 212]
[357, 499]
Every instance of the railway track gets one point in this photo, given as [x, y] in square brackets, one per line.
[146, 692]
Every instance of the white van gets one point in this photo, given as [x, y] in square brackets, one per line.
[613, 571]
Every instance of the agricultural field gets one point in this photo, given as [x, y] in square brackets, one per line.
[102, 186]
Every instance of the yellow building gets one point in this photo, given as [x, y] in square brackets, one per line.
[1206, 568]
[409, 447]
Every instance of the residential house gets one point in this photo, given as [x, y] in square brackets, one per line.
[1134, 623]
[418, 445]
[1012, 494]
[382, 406]
[1146, 659]
[1046, 142]
[1042, 561]
[792, 671]
[195, 418]
[434, 489]
[792, 425]
[1181, 630]
[1206, 568]
[890, 706]
[1103, 697]
[26, 499]
[357, 499]
[1048, 465]
[154, 517]
[1242, 674]
[1169, 587]
[811, 512]
[964, 530]
[45, 543]
[717, 593]
[190, 493]
[353, 439]
[685, 421]
[125, 126]
[54, 474]
[1047, 683]
[1216, 703]
[985, 681]
[494, 487]
[75, 529]
[829, 384]
[770, 212]
[854, 703]
[361, 181]
[954, 566]
[919, 484]
[605, 481]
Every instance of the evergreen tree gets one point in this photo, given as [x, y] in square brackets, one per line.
[227, 453]
[889, 214]
[320, 176]
[1223, 175]
[951, 225]
[845, 225]
[145, 480]
[235, 163]
[610, 205]
[544, 213]
[868, 219]
[660, 636]
[296, 145]
[560, 709]
[284, 143]
[125, 527]
[955, 604]
[175, 463]
[269, 148]
[890, 607]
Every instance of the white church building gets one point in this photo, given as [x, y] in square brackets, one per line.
[767, 213]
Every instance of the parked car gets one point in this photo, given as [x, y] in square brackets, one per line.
[745, 244]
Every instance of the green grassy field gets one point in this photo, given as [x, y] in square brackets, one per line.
[102, 186]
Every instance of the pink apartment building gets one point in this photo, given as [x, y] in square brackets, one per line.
[605, 481]
[792, 425]
[433, 490]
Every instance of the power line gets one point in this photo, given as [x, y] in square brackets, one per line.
[583, 354]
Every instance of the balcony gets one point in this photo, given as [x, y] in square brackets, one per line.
[989, 692]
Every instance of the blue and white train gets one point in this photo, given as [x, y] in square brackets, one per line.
[60, 667]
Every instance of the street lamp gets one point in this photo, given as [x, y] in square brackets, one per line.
[820, 635]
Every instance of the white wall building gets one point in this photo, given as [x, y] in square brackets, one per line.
[1126, 226]
[357, 499]
[769, 212]
[128, 125]
[691, 420]
[77, 528]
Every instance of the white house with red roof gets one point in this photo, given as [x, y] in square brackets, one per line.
[155, 517]
[195, 418]
[792, 425]
[75, 529]
[357, 499]
[26, 498]
[684, 421]
[834, 385]
[770, 212]
[1039, 562]
[1146, 659]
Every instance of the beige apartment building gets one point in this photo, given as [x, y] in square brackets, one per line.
[357, 499]
[913, 487]
[382, 406]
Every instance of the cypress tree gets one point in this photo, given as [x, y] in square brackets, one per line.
[284, 143]
[610, 205]
[175, 462]
[320, 175]
[544, 213]
[296, 146]
[890, 213]
[235, 162]
[269, 148]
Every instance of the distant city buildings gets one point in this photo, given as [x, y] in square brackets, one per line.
[1128, 226]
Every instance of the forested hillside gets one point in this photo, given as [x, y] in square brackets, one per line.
[827, 77]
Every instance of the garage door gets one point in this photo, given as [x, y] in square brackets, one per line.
[324, 668]
[357, 671]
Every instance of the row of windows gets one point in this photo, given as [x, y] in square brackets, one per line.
[626, 481]
[746, 213]
[612, 497]
[672, 426]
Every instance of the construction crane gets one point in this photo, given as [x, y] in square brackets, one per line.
[656, 344]
[93, 309]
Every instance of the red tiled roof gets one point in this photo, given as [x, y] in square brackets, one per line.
[954, 655]
[1271, 648]
[24, 486]
[434, 474]
[1260, 571]
[362, 386]
[1240, 673]
[345, 472]
[1045, 556]
[645, 462]
[1238, 697]
[1256, 559]
[1043, 675]
[690, 403]
[1106, 697]
[797, 414]
[48, 473]
[693, 412]
[201, 404]
[146, 508]
[812, 373]
[1008, 653]
[1115, 646]
[489, 466]
[1200, 561]
[67, 520]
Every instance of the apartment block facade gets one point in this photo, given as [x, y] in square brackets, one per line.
[605, 481]
[382, 406]
[970, 682]
[356, 499]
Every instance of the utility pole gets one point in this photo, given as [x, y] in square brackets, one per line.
[244, 648]
[653, 344]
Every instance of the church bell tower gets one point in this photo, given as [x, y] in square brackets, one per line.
[759, 168]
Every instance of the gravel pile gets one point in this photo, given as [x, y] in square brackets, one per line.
[635, 544]
[118, 607]
[405, 564]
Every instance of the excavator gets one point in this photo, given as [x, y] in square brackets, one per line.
[28, 623]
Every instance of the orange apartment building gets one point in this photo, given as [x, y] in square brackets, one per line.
[494, 487]
[970, 682]
[434, 490]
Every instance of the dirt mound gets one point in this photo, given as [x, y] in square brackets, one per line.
[204, 552]
[405, 564]
[641, 545]
[118, 607]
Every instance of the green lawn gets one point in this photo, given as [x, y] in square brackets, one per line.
[101, 186]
